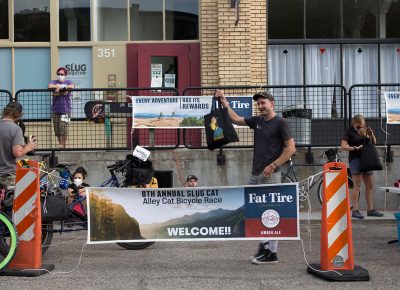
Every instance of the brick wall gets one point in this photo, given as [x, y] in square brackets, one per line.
[233, 55]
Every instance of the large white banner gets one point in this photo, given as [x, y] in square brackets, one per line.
[202, 213]
[180, 111]
[392, 107]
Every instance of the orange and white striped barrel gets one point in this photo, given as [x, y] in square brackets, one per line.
[336, 232]
[27, 216]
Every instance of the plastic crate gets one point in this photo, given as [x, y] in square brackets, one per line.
[397, 216]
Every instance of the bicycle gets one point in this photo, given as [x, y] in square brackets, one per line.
[76, 210]
[305, 186]
[8, 235]
[47, 184]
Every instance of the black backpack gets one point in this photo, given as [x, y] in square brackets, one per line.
[138, 172]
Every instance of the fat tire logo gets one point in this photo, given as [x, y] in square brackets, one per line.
[270, 218]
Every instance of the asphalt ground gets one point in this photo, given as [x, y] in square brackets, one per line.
[214, 264]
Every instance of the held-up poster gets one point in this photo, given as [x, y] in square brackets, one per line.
[252, 212]
[392, 107]
[180, 111]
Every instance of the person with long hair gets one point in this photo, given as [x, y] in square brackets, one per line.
[354, 139]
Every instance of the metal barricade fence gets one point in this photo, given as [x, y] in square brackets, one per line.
[5, 98]
[101, 119]
[316, 113]
[369, 101]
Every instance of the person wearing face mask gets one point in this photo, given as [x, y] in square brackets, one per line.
[12, 142]
[61, 105]
[77, 188]
[353, 140]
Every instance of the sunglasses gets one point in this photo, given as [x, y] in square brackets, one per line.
[61, 74]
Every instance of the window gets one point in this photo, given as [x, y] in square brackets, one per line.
[74, 17]
[31, 20]
[285, 19]
[359, 19]
[6, 69]
[37, 60]
[390, 19]
[112, 20]
[146, 19]
[181, 19]
[3, 19]
[322, 19]
[333, 19]
[285, 65]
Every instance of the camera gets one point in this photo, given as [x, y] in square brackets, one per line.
[27, 139]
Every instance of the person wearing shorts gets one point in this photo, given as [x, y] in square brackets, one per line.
[353, 140]
[61, 105]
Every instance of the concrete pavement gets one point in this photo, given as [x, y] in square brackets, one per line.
[216, 264]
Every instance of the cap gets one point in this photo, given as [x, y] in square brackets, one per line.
[191, 176]
[265, 95]
[16, 106]
[63, 69]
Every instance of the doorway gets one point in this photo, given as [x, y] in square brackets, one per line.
[170, 65]
[163, 65]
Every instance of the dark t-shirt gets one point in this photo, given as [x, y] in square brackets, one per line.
[269, 138]
[354, 139]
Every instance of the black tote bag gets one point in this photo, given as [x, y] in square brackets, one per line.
[369, 158]
[218, 125]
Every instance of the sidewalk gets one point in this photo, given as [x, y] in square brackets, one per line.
[388, 217]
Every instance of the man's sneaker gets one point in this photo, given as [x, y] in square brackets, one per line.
[374, 212]
[267, 258]
[262, 248]
[356, 214]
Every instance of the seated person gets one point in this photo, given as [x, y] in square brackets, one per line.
[152, 184]
[77, 189]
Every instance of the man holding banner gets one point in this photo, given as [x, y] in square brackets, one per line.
[273, 146]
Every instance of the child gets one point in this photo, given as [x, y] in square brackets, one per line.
[78, 187]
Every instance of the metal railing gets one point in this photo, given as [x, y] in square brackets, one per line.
[369, 100]
[102, 117]
[5, 98]
[101, 120]
[316, 113]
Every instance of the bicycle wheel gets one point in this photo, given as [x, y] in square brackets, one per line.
[47, 236]
[286, 178]
[8, 240]
[320, 191]
[135, 245]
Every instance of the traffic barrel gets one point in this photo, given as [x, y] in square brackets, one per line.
[336, 256]
[28, 221]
